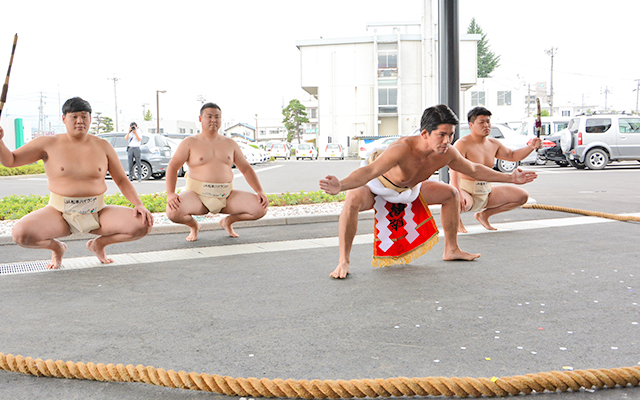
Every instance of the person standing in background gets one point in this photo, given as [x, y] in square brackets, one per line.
[134, 138]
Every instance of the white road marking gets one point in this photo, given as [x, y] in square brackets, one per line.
[302, 244]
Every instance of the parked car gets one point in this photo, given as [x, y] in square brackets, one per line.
[509, 138]
[174, 143]
[252, 154]
[550, 126]
[383, 142]
[280, 150]
[594, 140]
[333, 150]
[306, 150]
[155, 153]
[549, 129]
[551, 151]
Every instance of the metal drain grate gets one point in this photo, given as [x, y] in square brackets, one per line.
[23, 268]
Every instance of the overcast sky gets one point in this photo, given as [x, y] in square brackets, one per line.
[241, 54]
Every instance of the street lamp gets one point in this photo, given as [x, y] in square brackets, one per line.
[158, 107]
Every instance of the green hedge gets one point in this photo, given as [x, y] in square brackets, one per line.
[37, 168]
[15, 207]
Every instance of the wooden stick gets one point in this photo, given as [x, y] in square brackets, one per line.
[5, 88]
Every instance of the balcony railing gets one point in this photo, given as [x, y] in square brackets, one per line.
[387, 72]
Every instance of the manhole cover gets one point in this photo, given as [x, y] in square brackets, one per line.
[22, 268]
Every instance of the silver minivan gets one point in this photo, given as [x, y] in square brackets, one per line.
[155, 153]
[594, 140]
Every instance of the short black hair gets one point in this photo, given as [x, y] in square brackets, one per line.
[437, 115]
[209, 105]
[75, 104]
[476, 112]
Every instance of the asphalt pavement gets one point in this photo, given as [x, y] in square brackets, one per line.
[552, 291]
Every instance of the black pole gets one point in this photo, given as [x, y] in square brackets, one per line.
[448, 63]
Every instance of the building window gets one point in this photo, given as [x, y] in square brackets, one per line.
[313, 113]
[387, 100]
[504, 98]
[478, 99]
[183, 130]
[387, 59]
[566, 113]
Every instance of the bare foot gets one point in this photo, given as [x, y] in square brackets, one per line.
[56, 256]
[341, 271]
[98, 251]
[227, 227]
[461, 228]
[193, 235]
[459, 255]
[484, 221]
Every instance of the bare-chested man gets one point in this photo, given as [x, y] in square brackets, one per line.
[76, 164]
[210, 156]
[405, 163]
[479, 147]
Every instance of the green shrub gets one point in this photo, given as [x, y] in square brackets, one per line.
[31, 169]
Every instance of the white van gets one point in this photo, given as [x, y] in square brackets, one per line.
[550, 126]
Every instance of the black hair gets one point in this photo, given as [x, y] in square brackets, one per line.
[437, 115]
[209, 105]
[476, 112]
[133, 124]
[75, 104]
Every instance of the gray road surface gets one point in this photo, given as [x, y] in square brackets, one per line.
[562, 295]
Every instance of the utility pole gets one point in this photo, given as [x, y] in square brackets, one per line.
[115, 96]
[528, 99]
[41, 115]
[158, 107]
[551, 52]
[606, 92]
[637, 90]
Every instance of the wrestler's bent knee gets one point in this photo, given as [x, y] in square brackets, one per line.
[20, 235]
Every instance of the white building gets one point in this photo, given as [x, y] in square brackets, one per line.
[242, 130]
[376, 85]
[169, 126]
[510, 100]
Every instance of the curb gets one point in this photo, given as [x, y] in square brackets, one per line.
[213, 225]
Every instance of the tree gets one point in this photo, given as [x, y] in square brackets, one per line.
[294, 116]
[108, 124]
[101, 124]
[148, 116]
[487, 60]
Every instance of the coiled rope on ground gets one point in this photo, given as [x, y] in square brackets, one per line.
[333, 389]
[583, 212]
[321, 389]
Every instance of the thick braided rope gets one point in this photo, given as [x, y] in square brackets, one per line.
[583, 212]
[317, 389]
